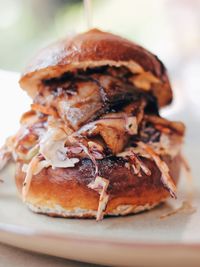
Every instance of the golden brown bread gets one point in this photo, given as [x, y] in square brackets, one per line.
[64, 192]
[96, 48]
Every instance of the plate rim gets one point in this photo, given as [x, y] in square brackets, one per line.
[31, 232]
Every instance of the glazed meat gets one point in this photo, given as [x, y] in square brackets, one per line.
[96, 120]
[79, 98]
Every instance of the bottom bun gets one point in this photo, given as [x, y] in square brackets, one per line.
[63, 192]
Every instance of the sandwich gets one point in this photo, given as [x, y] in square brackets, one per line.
[93, 143]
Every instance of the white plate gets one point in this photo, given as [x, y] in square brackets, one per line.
[141, 240]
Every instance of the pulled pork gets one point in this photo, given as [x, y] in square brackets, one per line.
[96, 113]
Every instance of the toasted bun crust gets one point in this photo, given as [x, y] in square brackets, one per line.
[64, 192]
[91, 49]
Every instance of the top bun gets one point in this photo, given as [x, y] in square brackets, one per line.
[92, 49]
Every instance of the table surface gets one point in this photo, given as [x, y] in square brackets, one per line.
[11, 256]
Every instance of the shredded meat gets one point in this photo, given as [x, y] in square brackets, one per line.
[100, 185]
[166, 178]
[112, 129]
[166, 126]
[26, 141]
[81, 98]
[91, 115]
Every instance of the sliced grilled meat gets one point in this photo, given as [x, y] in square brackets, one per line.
[80, 98]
